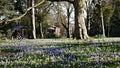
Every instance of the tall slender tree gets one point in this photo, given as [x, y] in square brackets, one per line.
[64, 15]
[32, 30]
[69, 8]
[33, 20]
[89, 9]
[104, 11]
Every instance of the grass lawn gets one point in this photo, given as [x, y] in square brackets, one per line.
[59, 53]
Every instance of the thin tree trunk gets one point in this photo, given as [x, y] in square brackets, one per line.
[108, 27]
[102, 21]
[89, 24]
[68, 34]
[88, 20]
[33, 21]
[89, 9]
[103, 28]
[40, 29]
[68, 13]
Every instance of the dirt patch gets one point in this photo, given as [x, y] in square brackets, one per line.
[5, 53]
[2, 53]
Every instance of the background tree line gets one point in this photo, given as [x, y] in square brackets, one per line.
[103, 17]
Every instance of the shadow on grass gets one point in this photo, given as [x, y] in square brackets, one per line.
[65, 64]
[75, 61]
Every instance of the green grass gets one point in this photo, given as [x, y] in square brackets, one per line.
[65, 54]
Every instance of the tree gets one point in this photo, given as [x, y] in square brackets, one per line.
[21, 16]
[99, 7]
[89, 9]
[80, 27]
[7, 11]
[64, 10]
[42, 15]
[30, 3]
[33, 20]
[103, 11]
[20, 6]
[109, 9]
[31, 14]
[66, 25]
[114, 29]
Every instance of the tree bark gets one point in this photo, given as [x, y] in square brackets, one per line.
[68, 22]
[33, 21]
[77, 27]
[40, 29]
[101, 19]
[80, 27]
[88, 21]
[102, 23]
[89, 12]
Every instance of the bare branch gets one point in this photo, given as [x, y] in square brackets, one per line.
[28, 9]
[64, 26]
[70, 1]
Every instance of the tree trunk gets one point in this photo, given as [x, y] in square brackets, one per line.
[77, 27]
[40, 29]
[68, 13]
[33, 21]
[80, 28]
[88, 24]
[102, 22]
[88, 21]
[89, 10]
[68, 33]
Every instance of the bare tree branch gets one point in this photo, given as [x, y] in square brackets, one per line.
[64, 25]
[28, 9]
[70, 1]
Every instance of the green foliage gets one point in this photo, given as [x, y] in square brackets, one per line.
[99, 36]
[7, 9]
[115, 21]
[108, 9]
[20, 6]
[108, 13]
[6, 29]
